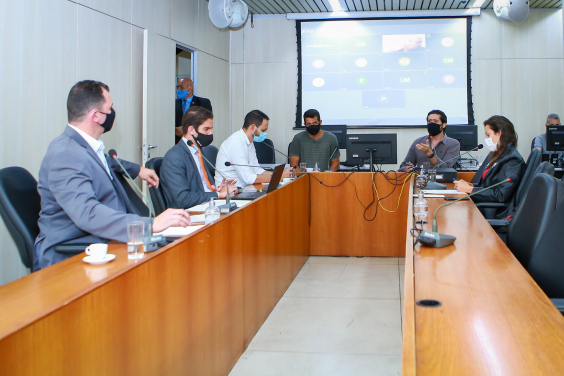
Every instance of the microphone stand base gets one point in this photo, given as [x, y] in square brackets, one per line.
[152, 243]
[227, 208]
[435, 240]
[433, 185]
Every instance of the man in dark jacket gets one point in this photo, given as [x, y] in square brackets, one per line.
[185, 176]
[186, 99]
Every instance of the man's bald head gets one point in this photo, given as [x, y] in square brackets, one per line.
[186, 84]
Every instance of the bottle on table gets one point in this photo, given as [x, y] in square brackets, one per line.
[316, 168]
[420, 208]
[212, 212]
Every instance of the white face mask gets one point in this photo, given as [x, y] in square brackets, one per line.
[490, 144]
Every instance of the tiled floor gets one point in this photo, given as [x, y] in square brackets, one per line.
[340, 316]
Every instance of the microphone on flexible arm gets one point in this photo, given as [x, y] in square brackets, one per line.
[331, 157]
[228, 206]
[152, 242]
[241, 165]
[434, 239]
[435, 185]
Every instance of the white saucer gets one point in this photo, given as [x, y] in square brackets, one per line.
[109, 257]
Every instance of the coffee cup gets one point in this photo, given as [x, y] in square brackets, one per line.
[286, 180]
[97, 251]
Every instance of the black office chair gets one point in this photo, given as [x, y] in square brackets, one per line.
[528, 224]
[265, 154]
[547, 260]
[210, 152]
[490, 209]
[533, 143]
[157, 194]
[138, 204]
[20, 205]
[289, 146]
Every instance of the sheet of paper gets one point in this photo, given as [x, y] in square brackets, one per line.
[430, 196]
[177, 232]
[442, 192]
[205, 205]
[198, 218]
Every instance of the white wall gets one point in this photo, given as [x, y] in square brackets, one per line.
[517, 71]
[49, 45]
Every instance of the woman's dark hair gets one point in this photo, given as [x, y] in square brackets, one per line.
[499, 123]
[195, 116]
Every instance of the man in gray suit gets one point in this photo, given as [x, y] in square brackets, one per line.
[185, 175]
[81, 200]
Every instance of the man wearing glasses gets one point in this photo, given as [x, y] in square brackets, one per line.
[314, 146]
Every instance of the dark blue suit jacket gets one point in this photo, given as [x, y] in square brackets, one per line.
[180, 179]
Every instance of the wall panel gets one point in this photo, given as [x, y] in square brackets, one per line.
[152, 14]
[213, 83]
[120, 9]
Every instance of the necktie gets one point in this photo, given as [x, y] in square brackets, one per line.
[204, 170]
[184, 108]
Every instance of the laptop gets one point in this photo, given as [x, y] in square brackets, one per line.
[272, 186]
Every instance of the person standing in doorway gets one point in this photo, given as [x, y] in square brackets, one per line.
[186, 99]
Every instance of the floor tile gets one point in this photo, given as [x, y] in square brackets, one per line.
[353, 260]
[332, 326]
[401, 260]
[346, 281]
[262, 363]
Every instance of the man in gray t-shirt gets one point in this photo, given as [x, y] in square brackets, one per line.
[315, 146]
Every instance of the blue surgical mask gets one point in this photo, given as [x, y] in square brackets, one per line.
[260, 138]
[181, 93]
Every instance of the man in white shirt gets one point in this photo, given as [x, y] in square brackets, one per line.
[185, 175]
[82, 202]
[238, 149]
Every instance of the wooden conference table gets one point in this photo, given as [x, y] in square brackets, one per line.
[192, 307]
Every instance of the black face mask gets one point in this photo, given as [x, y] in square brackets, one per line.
[204, 139]
[313, 129]
[109, 122]
[434, 129]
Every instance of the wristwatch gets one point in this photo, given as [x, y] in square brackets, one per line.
[432, 155]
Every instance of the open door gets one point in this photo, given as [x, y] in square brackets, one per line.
[159, 67]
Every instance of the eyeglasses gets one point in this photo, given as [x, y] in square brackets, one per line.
[308, 124]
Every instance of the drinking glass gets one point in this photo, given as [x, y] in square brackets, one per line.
[135, 235]
[293, 174]
[303, 167]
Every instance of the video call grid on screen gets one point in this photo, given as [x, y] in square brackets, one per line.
[385, 72]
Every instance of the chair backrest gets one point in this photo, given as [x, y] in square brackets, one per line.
[533, 162]
[210, 152]
[533, 143]
[20, 205]
[289, 146]
[265, 154]
[547, 261]
[137, 202]
[532, 218]
[157, 195]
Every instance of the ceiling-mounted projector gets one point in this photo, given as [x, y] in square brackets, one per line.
[228, 13]
[511, 10]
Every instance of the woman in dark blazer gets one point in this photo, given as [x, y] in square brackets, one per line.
[503, 161]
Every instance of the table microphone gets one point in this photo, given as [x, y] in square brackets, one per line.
[434, 239]
[272, 147]
[152, 242]
[241, 165]
[228, 206]
[435, 185]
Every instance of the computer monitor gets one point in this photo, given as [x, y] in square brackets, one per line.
[340, 131]
[555, 138]
[467, 135]
[385, 148]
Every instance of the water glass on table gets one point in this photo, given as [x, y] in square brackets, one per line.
[135, 235]
[303, 166]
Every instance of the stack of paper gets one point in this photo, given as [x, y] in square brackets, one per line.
[177, 232]
[442, 192]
